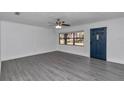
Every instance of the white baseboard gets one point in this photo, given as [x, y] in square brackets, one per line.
[73, 53]
[115, 61]
[27, 55]
[108, 59]
[32, 54]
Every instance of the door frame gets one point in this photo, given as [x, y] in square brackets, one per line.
[104, 28]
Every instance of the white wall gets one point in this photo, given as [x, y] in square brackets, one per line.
[115, 39]
[0, 47]
[19, 40]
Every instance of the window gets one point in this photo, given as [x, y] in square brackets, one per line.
[72, 38]
[79, 38]
[61, 39]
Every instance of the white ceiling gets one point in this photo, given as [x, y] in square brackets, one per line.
[73, 18]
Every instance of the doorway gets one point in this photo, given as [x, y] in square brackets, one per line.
[98, 37]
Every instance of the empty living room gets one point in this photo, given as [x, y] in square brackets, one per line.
[62, 46]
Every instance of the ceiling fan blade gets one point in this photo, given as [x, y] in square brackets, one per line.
[66, 25]
[51, 23]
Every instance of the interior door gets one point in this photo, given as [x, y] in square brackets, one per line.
[98, 38]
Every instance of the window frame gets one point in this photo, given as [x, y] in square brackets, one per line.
[70, 38]
[65, 38]
[61, 38]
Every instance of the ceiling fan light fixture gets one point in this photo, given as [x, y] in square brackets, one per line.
[58, 27]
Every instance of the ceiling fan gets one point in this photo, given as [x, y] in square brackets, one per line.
[59, 23]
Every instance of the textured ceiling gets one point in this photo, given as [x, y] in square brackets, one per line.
[73, 18]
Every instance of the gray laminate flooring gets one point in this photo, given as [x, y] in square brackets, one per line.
[59, 66]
